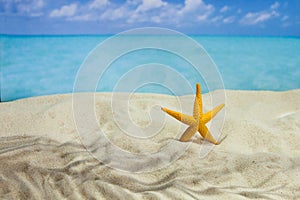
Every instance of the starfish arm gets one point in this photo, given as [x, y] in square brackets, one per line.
[188, 133]
[199, 97]
[205, 133]
[189, 120]
[196, 111]
[210, 114]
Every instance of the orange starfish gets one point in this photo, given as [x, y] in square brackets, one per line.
[198, 121]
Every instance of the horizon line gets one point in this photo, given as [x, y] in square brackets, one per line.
[112, 34]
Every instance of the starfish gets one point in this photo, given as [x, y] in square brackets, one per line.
[198, 121]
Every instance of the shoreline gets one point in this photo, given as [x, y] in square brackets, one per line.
[154, 94]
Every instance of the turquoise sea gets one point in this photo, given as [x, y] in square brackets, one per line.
[43, 65]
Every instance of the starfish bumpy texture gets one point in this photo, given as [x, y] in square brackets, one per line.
[198, 121]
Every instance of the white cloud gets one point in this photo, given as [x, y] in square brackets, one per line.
[228, 20]
[138, 11]
[150, 4]
[195, 6]
[285, 21]
[253, 18]
[191, 5]
[275, 5]
[284, 18]
[96, 4]
[116, 13]
[203, 17]
[193, 10]
[146, 11]
[32, 8]
[156, 19]
[258, 17]
[224, 9]
[169, 14]
[84, 17]
[64, 11]
[216, 18]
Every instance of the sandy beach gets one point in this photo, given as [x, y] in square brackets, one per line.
[42, 156]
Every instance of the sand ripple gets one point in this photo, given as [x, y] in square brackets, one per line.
[40, 168]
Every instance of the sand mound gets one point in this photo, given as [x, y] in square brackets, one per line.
[42, 157]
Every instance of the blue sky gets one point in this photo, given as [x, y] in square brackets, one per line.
[231, 17]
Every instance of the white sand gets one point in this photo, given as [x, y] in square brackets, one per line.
[41, 156]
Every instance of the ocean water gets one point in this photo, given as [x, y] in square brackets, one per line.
[43, 65]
